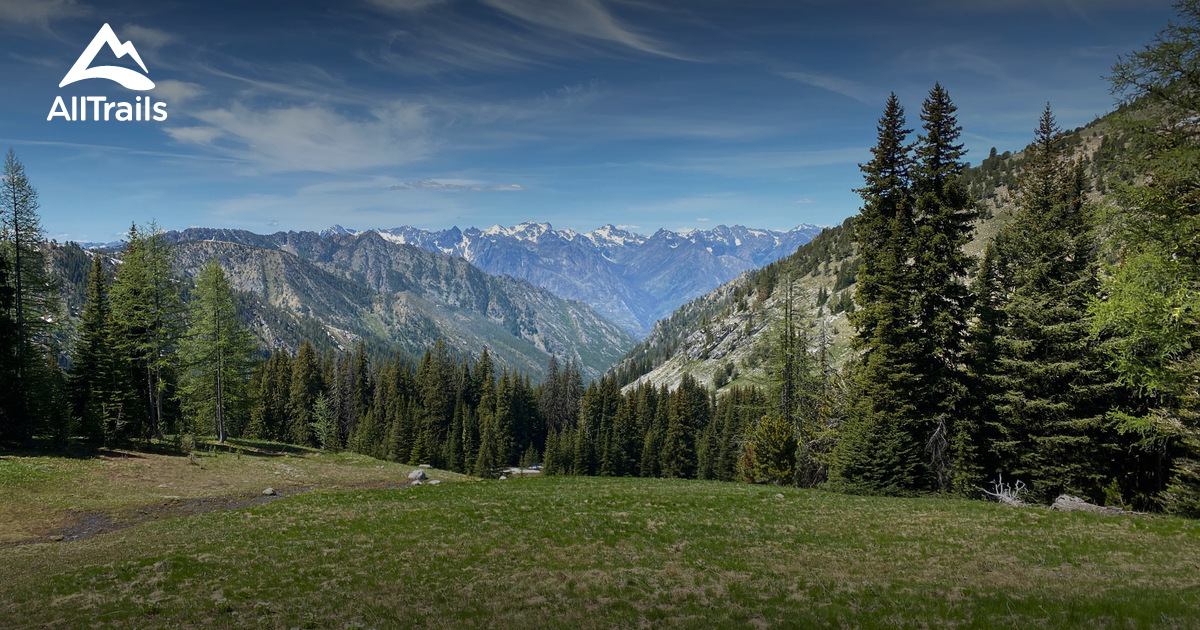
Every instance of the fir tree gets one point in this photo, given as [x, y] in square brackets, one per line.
[148, 313]
[95, 378]
[1051, 393]
[944, 220]
[216, 353]
[304, 386]
[874, 453]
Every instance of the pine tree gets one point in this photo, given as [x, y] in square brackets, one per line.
[944, 222]
[8, 356]
[772, 447]
[35, 307]
[304, 387]
[880, 448]
[95, 377]
[148, 313]
[322, 427]
[1051, 392]
[216, 353]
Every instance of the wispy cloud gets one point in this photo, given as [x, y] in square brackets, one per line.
[461, 185]
[805, 200]
[106, 148]
[146, 38]
[589, 18]
[312, 137]
[838, 85]
[39, 13]
[177, 92]
[766, 163]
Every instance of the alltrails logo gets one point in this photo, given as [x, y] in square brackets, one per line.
[101, 108]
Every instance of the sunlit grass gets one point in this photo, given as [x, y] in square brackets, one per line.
[592, 553]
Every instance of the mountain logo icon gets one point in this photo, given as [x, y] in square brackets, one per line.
[131, 79]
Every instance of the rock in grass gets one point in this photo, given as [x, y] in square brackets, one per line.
[503, 477]
[1068, 503]
[418, 483]
[270, 492]
[435, 482]
[417, 475]
[779, 495]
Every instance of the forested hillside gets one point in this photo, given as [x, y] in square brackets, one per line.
[337, 291]
[718, 338]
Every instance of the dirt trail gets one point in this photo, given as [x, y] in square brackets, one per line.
[89, 524]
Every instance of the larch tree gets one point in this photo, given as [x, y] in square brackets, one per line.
[216, 353]
[34, 307]
[1150, 298]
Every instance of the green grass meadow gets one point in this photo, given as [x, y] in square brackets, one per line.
[605, 553]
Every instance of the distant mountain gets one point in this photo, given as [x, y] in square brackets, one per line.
[629, 278]
[340, 289]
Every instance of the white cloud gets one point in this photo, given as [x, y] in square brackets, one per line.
[588, 18]
[39, 13]
[145, 38]
[628, 227]
[805, 200]
[703, 219]
[450, 184]
[313, 137]
[838, 85]
[176, 91]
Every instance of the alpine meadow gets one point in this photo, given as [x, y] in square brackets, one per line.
[972, 400]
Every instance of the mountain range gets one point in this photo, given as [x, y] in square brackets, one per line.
[631, 279]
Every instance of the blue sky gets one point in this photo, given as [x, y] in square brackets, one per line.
[432, 113]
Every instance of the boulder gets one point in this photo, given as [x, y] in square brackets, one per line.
[435, 482]
[779, 495]
[503, 477]
[270, 492]
[1068, 503]
[418, 483]
[417, 475]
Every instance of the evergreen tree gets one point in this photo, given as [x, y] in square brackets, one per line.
[944, 220]
[216, 353]
[875, 453]
[95, 377]
[1051, 393]
[1150, 301]
[772, 447]
[9, 420]
[148, 313]
[304, 386]
[34, 307]
[323, 428]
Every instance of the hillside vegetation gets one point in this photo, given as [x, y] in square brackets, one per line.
[719, 338]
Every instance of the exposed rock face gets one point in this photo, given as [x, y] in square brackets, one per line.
[351, 287]
[631, 279]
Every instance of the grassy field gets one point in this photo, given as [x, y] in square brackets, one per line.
[39, 495]
[601, 553]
